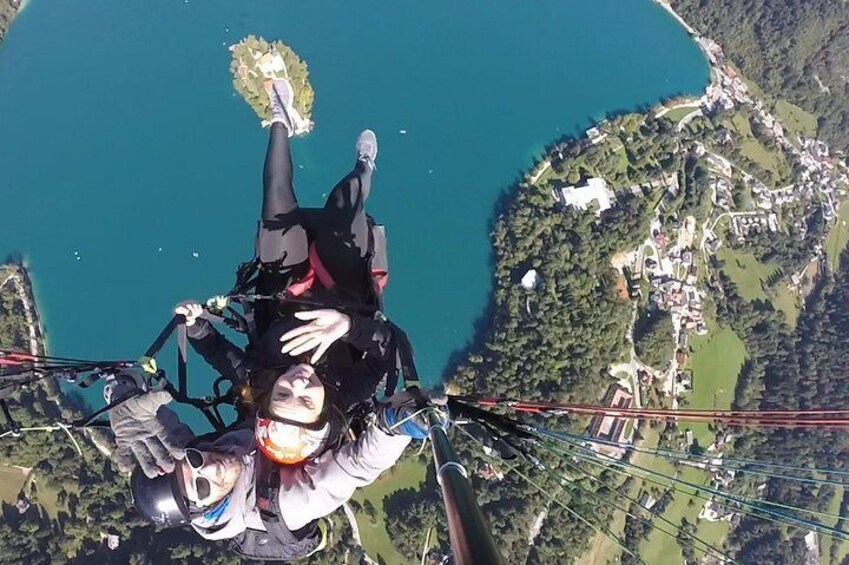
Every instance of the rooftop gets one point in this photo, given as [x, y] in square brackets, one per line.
[595, 193]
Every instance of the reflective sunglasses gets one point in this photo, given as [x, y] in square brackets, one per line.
[196, 460]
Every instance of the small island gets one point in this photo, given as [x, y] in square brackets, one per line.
[256, 62]
[8, 10]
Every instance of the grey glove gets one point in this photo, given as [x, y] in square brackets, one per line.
[149, 432]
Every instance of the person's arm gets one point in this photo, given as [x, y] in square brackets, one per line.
[323, 485]
[219, 352]
[146, 432]
[368, 335]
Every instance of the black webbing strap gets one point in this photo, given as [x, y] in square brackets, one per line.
[180, 393]
[404, 361]
[163, 336]
[90, 379]
[89, 418]
[182, 354]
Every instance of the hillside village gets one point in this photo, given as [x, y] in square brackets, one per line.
[766, 180]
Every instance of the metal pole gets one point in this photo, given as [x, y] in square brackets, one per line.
[471, 539]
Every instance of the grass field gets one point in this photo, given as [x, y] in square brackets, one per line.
[11, 481]
[788, 303]
[715, 362]
[752, 149]
[622, 163]
[713, 533]
[678, 114]
[747, 272]
[796, 118]
[661, 548]
[48, 497]
[839, 236]
[750, 276]
[407, 474]
[826, 542]
[604, 550]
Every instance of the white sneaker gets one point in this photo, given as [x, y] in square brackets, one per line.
[282, 97]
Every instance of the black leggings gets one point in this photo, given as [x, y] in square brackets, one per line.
[342, 243]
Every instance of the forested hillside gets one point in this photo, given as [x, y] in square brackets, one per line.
[787, 369]
[797, 50]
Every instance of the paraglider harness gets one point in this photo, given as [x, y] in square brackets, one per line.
[243, 293]
[278, 542]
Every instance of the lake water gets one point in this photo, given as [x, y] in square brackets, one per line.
[124, 149]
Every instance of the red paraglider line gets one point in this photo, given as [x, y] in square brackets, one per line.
[767, 418]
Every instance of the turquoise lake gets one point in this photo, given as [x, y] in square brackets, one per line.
[120, 134]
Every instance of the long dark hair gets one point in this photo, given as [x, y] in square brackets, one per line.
[255, 397]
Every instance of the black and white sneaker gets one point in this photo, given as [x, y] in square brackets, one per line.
[282, 97]
[367, 148]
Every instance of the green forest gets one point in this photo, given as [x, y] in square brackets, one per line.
[653, 337]
[794, 50]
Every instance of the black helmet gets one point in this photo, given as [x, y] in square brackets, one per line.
[159, 499]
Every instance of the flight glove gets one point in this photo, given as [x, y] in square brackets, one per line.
[150, 433]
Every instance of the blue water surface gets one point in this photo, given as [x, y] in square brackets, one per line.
[124, 149]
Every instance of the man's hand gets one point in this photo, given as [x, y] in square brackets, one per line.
[147, 431]
[191, 311]
[325, 328]
[406, 413]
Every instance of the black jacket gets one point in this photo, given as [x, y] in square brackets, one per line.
[355, 366]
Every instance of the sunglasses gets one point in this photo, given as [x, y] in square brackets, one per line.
[196, 459]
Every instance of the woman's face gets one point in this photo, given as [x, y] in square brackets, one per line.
[297, 395]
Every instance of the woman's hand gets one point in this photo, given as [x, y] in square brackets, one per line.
[325, 328]
[191, 311]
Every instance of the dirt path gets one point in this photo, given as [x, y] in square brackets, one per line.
[355, 532]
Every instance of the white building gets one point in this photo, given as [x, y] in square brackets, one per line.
[530, 280]
[595, 194]
[271, 63]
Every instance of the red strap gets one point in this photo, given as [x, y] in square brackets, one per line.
[380, 277]
[320, 271]
[303, 285]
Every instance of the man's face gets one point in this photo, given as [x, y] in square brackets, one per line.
[206, 477]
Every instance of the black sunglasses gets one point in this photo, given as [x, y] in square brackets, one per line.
[196, 460]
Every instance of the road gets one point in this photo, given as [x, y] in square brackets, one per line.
[355, 532]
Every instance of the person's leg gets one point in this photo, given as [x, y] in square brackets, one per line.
[281, 239]
[343, 244]
[281, 242]
[345, 208]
